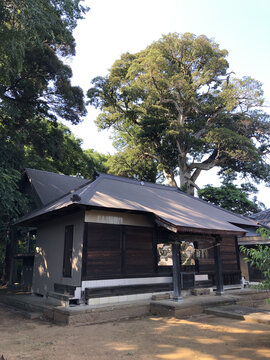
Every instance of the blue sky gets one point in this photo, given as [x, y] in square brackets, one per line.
[115, 27]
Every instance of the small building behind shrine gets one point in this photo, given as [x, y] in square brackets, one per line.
[251, 240]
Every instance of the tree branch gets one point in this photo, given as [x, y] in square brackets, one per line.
[181, 117]
[155, 157]
[206, 164]
[181, 152]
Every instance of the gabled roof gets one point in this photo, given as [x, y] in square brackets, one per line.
[167, 204]
[50, 186]
[262, 217]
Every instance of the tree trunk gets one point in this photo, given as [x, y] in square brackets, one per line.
[169, 178]
[9, 268]
[186, 183]
[6, 264]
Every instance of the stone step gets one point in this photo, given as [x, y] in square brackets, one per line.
[33, 315]
[200, 291]
[240, 313]
[161, 296]
[194, 306]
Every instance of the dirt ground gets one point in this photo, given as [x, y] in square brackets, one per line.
[199, 337]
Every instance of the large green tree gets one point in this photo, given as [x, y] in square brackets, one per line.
[36, 36]
[177, 103]
[51, 147]
[232, 197]
[132, 163]
[35, 92]
[35, 83]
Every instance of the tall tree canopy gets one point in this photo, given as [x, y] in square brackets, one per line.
[177, 103]
[35, 92]
[51, 147]
[132, 163]
[35, 38]
[232, 197]
[35, 86]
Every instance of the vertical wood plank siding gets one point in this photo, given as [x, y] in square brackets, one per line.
[139, 251]
[104, 254]
[114, 251]
[228, 254]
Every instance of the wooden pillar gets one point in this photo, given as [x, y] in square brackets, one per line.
[13, 250]
[84, 252]
[123, 250]
[237, 252]
[218, 266]
[176, 273]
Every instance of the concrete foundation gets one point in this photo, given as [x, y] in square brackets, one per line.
[39, 307]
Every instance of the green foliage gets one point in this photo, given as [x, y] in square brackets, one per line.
[94, 162]
[131, 163]
[232, 197]
[47, 146]
[259, 257]
[33, 78]
[265, 233]
[176, 103]
[35, 91]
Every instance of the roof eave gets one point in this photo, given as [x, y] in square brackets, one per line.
[192, 230]
[35, 221]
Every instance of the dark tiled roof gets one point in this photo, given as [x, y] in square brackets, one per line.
[262, 217]
[167, 203]
[50, 186]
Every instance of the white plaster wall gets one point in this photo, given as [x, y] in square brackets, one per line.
[117, 218]
[48, 264]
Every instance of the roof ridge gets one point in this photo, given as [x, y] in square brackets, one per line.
[138, 182]
[260, 213]
[58, 174]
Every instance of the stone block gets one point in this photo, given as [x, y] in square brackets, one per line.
[60, 318]
[200, 291]
[161, 296]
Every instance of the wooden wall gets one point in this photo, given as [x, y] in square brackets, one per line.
[115, 251]
[118, 251]
[228, 250]
[139, 250]
[103, 250]
[229, 257]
